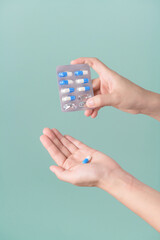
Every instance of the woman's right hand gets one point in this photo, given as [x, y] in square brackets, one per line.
[111, 89]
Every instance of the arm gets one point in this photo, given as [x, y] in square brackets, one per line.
[152, 105]
[138, 197]
[111, 89]
[103, 172]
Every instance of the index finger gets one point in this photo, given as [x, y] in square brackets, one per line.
[96, 84]
[94, 63]
[55, 153]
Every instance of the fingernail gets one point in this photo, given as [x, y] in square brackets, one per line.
[90, 103]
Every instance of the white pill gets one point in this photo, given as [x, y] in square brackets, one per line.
[70, 81]
[80, 73]
[65, 74]
[89, 158]
[68, 98]
[67, 90]
[84, 80]
[65, 82]
[85, 72]
[83, 89]
[86, 160]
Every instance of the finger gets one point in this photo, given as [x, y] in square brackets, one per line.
[79, 144]
[88, 112]
[96, 84]
[62, 174]
[55, 153]
[94, 63]
[99, 101]
[69, 145]
[95, 113]
[97, 92]
[49, 133]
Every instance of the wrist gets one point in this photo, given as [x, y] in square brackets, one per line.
[117, 182]
[151, 104]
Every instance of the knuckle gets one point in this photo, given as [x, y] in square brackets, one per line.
[64, 140]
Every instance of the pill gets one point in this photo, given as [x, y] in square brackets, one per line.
[84, 97]
[80, 73]
[65, 82]
[86, 160]
[83, 89]
[64, 74]
[68, 98]
[70, 106]
[67, 90]
[85, 80]
[82, 104]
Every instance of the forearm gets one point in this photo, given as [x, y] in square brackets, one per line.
[138, 197]
[151, 104]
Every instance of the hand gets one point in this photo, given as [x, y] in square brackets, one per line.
[69, 153]
[103, 172]
[111, 89]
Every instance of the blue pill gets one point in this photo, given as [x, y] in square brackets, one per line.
[80, 73]
[85, 161]
[64, 74]
[85, 80]
[67, 90]
[71, 90]
[65, 82]
[72, 98]
[87, 88]
[83, 89]
[68, 98]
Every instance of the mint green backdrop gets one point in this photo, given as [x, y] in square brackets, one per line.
[35, 37]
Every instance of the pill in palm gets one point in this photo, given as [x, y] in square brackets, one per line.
[83, 89]
[86, 160]
[64, 74]
[85, 80]
[80, 73]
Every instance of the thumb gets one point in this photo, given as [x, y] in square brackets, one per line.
[100, 100]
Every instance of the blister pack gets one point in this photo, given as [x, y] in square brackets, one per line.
[75, 86]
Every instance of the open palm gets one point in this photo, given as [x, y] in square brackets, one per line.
[69, 153]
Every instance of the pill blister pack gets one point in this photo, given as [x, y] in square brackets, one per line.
[75, 86]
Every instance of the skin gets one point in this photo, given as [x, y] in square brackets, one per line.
[102, 171]
[111, 89]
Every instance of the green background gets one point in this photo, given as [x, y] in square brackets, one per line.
[35, 37]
